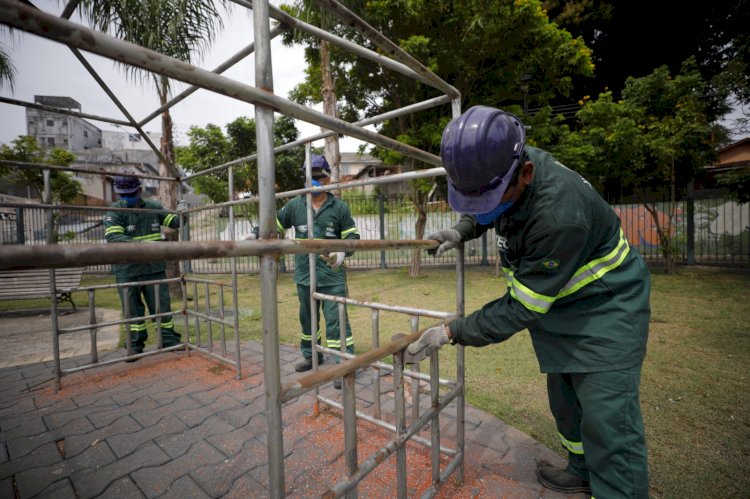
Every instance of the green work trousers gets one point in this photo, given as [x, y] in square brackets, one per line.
[599, 422]
[134, 296]
[331, 314]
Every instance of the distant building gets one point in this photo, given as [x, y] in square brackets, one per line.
[54, 130]
[355, 166]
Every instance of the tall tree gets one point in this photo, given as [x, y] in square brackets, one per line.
[209, 147]
[649, 144]
[182, 29]
[481, 48]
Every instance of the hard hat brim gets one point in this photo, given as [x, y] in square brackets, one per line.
[472, 205]
[127, 191]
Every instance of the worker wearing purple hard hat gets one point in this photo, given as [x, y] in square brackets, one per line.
[573, 282]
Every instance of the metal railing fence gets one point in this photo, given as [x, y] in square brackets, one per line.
[721, 231]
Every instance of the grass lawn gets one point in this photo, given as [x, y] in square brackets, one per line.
[694, 389]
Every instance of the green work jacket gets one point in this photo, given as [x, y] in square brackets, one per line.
[573, 280]
[137, 227]
[332, 221]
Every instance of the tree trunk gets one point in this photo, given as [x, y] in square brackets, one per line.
[332, 152]
[168, 190]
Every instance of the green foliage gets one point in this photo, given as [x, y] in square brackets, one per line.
[209, 147]
[738, 183]
[25, 149]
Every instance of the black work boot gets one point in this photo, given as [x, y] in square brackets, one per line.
[306, 364]
[562, 480]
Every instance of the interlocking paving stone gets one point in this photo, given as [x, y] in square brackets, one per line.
[124, 443]
[216, 479]
[178, 443]
[186, 488]
[151, 417]
[58, 490]
[103, 406]
[25, 426]
[101, 419]
[91, 483]
[155, 481]
[122, 489]
[246, 486]
[21, 446]
[6, 488]
[34, 480]
[195, 416]
[45, 455]
[4, 458]
[75, 444]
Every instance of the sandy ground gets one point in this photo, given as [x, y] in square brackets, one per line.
[26, 336]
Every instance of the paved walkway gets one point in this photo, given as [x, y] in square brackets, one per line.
[178, 425]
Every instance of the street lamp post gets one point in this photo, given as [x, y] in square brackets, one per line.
[524, 80]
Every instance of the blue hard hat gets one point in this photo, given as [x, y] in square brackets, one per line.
[480, 151]
[125, 184]
[319, 162]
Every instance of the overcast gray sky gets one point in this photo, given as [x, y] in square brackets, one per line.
[44, 67]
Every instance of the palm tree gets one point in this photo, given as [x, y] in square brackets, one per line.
[182, 29]
[7, 70]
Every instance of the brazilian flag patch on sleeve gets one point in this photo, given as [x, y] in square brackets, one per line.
[550, 264]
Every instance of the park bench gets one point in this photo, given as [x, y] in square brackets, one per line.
[34, 283]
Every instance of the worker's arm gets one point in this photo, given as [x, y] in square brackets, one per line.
[467, 228]
[115, 223]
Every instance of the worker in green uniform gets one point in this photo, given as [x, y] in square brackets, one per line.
[141, 227]
[332, 219]
[573, 281]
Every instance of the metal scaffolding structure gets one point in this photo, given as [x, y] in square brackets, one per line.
[268, 247]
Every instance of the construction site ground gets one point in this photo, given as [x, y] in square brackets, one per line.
[183, 426]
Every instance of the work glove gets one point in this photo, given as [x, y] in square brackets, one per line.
[250, 237]
[334, 260]
[449, 239]
[182, 206]
[434, 337]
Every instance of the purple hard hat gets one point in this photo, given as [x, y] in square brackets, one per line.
[125, 184]
[480, 151]
[319, 167]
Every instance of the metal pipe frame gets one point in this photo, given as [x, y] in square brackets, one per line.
[21, 164]
[436, 314]
[420, 106]
[75, 255]
[58, 110]
[51, 27]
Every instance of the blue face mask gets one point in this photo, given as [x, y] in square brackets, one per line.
[491, 216]
[315, 183]
[130, 199]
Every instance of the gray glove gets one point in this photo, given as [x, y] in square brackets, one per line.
[434, 337]
[449, 239]
[335, 259]
[182, 206]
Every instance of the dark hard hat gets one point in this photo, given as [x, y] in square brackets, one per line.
[320, 167]
[480, 151]
[125, 184]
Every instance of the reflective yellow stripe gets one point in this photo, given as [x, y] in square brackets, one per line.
[279, 226]
[138, 327]
[307, 337]
[574, 447]
[587, 274]
[168, 325]
[149, 237]
[346, 232]
[595, 269]
[115, 229]
[531, 299]
[168, 219]
[508, 273]
[337, 343]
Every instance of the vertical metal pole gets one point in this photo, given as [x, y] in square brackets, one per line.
[197, 320]
[350, 429]
[342, 327]
[376, 370]
[381, 211]
[435, 426]
[157, 306]
[210, 322]
[268, 263]
[20, 227]
[399, 400]
[484, 262]
[312, 260]
[690, 213]
[235, 299]
[460, 357]
[52, 281]
[414, 319]
[126, 313]
[93, 328]
[185, 323]
[221, 316]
